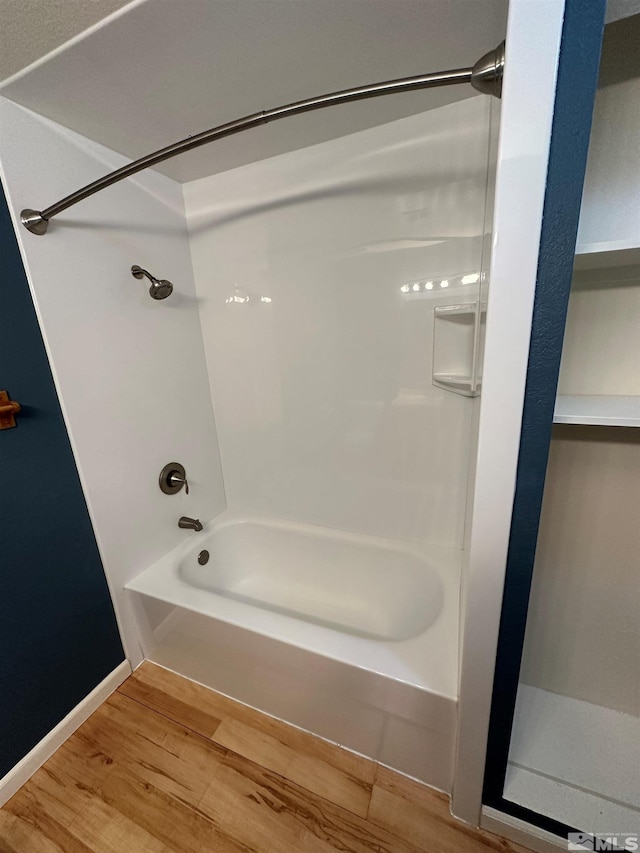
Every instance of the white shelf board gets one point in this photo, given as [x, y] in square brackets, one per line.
[612, 254]
[598, 410]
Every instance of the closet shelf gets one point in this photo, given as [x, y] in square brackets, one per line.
[598, 410]
[591, 256]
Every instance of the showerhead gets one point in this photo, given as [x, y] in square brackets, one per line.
[159, 289]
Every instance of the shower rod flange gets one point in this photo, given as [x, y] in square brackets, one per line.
[34, 221]
[485, 76]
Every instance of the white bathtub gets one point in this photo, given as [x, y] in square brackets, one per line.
[353, 638]
[330, 578]
[373, 603]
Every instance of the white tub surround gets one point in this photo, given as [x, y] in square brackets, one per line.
[318, 274]
[129, 371]
[328, 301]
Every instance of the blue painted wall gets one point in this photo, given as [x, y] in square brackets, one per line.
[58, 634]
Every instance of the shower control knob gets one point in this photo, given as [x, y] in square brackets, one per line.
[177, 480]
[172, 478]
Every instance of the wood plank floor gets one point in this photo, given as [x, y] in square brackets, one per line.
[167, 765]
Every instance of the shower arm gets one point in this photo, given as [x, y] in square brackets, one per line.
[485, 76]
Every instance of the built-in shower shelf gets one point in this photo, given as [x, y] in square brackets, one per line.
[466, 311]
[460, 384]
[457, 347]
[597, 410]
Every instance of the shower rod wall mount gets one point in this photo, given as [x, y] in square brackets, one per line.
[485, 76]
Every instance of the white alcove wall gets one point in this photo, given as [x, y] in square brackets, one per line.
[318, 273]
[202, 76]
[130, 371]
[120, 437]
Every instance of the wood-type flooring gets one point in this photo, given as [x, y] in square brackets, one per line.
[168, 765]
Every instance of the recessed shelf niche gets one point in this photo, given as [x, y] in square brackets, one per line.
[600, 373]
[458, 339]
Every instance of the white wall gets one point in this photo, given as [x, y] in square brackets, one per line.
[601, 349]
[610, 203]
[612, 184]
[130, 371]
[324, 402]
[583, 638]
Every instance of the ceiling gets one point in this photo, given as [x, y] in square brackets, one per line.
[161, 70]
[32, 28]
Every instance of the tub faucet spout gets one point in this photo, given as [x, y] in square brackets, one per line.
[190, 523]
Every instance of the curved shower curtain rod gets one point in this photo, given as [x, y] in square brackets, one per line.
[485, 76]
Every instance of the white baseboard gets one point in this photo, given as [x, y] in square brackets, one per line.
[25, 768]
[522, 833]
